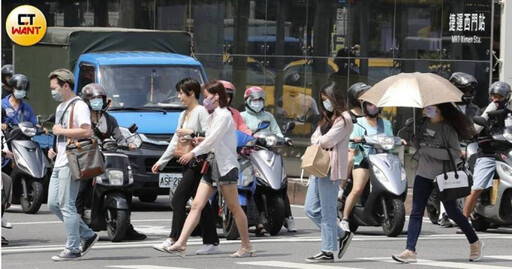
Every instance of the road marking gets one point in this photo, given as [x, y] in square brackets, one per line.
[275, 264]
[58, 222]
[143, 266]
[198, 241]
[500, 257]
[461, 265]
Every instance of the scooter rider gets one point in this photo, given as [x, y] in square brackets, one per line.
[237, 117]
[485, 165]
[466, 83]
[370, 124]
[253, 115]
[7, 72]
[104, 126]
[16, 109]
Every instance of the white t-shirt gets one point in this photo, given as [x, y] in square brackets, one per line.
[81, 115]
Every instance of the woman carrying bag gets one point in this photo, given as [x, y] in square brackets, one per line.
[223, 170]
[192, 123]
[438, 139]
[332, 134]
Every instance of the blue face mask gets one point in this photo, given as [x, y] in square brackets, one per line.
[57, 96]
[20, 94]
[96, 104]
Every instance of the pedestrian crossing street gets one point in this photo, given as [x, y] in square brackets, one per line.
[487, 262]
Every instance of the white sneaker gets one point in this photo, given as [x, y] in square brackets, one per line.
[344, 226]
[6, 224]
[208, 249]
[289, 223]
[162, 246]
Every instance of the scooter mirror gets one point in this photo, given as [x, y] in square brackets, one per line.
[480, 121]
[289, 126]
[133, 128]
[408, 122]
[263, 125]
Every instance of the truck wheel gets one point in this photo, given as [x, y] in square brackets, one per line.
[396, 212]
[148, 198]
[34, 199]
[117, 223]
[275, 216]
[479, 223]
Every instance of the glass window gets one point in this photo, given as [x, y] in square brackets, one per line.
[86, 75]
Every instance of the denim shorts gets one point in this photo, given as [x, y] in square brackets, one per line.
[483, 173]
[213, 177]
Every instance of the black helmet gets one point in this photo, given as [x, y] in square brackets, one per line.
[7, 70]
[92, 90]
[500, 87]
[19, 82]
[463, 81]
[466, 83]
[355, 91]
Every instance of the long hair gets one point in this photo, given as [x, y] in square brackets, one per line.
[215, 87]
[462, 124]
[334, 94]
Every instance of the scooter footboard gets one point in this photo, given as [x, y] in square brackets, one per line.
[116, 200]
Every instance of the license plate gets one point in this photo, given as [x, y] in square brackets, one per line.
[169, 180]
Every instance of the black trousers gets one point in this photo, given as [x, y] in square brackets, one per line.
[187, 188]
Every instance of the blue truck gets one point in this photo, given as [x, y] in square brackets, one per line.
[138, 68]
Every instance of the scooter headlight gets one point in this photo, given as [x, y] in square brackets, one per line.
[271, 141]
[379, 174]
[403, 175]
[115, 177]
[28, 131]
[130, 175]
[247, 176]
[506, 169]
[508, 135]
[387, 143]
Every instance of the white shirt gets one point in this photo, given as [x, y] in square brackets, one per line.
[221, 137]
[197, 121]
[81, 115]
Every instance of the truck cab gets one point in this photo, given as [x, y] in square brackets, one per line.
[141, 89]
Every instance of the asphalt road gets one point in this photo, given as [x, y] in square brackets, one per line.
[35, 238]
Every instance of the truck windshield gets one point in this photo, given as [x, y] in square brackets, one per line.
[139, 86]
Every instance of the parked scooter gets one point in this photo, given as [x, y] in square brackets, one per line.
[30, 166]
[382, 202]
[494, 207]
[109, 207]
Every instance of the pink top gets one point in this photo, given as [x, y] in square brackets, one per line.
[239, 121]
[337, 139]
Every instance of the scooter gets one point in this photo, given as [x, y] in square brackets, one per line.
[30, 166]
[271, 178]
[109, 208]
[494, 207]
[382, 202]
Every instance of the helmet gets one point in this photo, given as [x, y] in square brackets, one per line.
[92, 90]
[7, 70]
[500, 87]
[19, 82]
[253, 93]
[463, 80]
[355, 91]
[228, 86]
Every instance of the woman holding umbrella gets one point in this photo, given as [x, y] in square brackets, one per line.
[446, 124]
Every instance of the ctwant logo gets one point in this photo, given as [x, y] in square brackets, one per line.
[26, 25]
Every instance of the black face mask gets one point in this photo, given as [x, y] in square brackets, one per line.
[501, 104]
[466, 99]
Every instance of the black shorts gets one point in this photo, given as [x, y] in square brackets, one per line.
[213, 177]
[363, 164]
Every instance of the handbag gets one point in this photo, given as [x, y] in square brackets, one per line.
[455, 183]
[185, 144]
[316, 161]
[84, 156]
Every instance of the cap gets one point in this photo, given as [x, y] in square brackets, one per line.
[64, 75]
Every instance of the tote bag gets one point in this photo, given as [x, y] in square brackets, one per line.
[453, 183]
[316, 161]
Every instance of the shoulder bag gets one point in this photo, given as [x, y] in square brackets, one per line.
[185, 144]
[316, 161]
[453, 183]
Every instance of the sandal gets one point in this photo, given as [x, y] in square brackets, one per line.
[178, 252]
[242, 253]
[260, 231]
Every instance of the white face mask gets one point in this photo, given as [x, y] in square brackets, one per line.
[327, 105]
[257, 105]
[430, 111]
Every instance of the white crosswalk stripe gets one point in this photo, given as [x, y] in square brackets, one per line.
[145, 267]
[442, 264]
[294, 265]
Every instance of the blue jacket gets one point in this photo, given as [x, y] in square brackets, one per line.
[23, 113]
